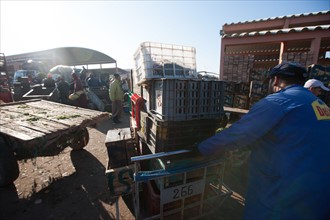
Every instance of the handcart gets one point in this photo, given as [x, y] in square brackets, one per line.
[183, 188]
[34, 128]
[170, 185]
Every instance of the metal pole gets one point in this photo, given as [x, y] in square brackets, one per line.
[117, 208]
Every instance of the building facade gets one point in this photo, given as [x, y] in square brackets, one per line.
[250, 49]
[261, 44]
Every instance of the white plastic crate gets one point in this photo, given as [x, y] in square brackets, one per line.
[185, 99]
[157, 60]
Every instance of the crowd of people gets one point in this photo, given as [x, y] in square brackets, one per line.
[73, 93]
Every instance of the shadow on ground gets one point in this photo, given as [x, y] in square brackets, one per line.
[86, 189]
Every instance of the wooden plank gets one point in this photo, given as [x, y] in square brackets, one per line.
[39, 126]
[235, 110]
[33, 119]
[21, 132]
[60, 113]
[26, 131]
[87, 116]
[61, 107]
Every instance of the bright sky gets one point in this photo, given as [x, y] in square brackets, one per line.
[116, 28]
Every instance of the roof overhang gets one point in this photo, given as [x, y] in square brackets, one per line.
[70, 56]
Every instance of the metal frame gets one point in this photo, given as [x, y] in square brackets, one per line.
[196, 187]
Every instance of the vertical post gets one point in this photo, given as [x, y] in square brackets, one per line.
[282, 49]
[315, 49]
[222, 58]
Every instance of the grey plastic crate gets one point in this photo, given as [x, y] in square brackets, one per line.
[164, 136]
[185, 99]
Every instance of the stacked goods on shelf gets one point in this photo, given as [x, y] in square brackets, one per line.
[304, 58]
[157, 60]
[236, 94]
[253, 69]
[258, 90]
[236, 68]
[244, 94]
[258, 85]
[229, 92]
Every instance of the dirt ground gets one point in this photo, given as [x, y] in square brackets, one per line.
[72, 185]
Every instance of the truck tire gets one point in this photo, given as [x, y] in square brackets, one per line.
[80, 140]
[9, 169]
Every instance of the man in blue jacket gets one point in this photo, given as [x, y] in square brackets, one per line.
[288, 133]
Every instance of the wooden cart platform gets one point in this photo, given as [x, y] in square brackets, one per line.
[39, 123]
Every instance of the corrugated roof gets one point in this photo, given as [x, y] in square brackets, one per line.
[70, 56]
[281, 17]
[278, 31]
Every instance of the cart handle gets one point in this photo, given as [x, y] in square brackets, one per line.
[158, 155]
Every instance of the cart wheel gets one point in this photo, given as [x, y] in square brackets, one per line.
[80, 140]
[9, 169]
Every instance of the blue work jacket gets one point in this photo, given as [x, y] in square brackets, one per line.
[289, 169]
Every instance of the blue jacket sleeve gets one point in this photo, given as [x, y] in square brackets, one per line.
[262, 117]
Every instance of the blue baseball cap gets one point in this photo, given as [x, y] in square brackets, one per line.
[289, 69]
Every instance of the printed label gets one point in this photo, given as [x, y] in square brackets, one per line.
[322, 111]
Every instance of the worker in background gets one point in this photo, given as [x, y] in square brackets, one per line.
[92, 81]
[48, 81]
[117, 97]
[78, 96]
[64, 90]
[288, 134]
[315, 86]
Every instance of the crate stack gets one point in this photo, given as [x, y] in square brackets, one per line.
[236, 94]
[304, 58]
[251, 69]
[181, 110]
[236, 67]
[258, 85]
[243, 94]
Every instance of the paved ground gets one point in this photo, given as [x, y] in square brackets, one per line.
[72, 185]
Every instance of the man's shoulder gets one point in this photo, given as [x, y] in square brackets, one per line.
[277, 98]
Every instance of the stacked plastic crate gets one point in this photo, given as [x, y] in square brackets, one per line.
[181, 110]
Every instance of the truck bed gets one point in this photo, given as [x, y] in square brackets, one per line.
[40, 119]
